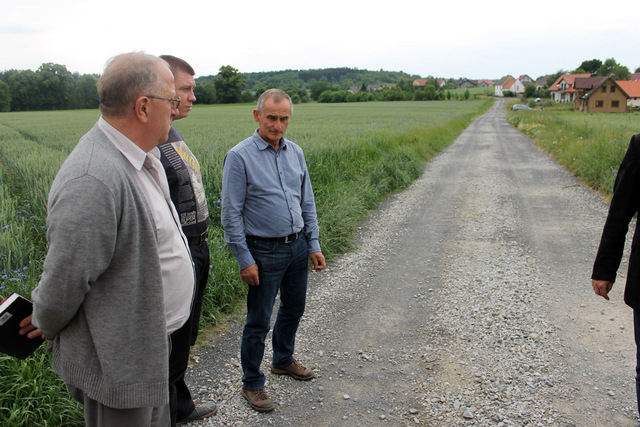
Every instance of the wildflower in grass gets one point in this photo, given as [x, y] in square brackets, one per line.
[4, 276]
[1, 288]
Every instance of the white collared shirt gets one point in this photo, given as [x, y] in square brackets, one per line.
[178, 275]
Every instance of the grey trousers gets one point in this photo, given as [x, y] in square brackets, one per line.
[98, 415]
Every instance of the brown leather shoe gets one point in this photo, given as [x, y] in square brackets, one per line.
[258, 400]
[296, 370]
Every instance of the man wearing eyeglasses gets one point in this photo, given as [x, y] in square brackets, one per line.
[188, 196]
[118, 278]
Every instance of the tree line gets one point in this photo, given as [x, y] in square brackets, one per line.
[53, 87]
[50, 87]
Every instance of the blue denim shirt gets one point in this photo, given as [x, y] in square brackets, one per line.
[266, 193]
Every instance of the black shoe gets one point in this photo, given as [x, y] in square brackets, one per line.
[201, 411]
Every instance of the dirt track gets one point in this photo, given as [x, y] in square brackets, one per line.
[467, 302]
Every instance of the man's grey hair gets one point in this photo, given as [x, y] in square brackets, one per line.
[127, 77]
[277, 94]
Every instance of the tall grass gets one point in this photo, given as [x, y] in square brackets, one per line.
[357, 154]
[32, 395]
[589, 145]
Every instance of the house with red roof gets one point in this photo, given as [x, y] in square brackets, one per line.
[634, 76]
[562, 90]
[509, 83]
[599, 95]
[632, 89]
[526, 80]
[419, 83]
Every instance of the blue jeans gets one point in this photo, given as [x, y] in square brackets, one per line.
[282, 267]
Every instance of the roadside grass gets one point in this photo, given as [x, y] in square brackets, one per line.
[591, 146]
[357, 155]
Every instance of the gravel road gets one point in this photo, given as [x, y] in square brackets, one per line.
[467, 302]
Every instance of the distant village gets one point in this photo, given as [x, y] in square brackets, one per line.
[587, 92]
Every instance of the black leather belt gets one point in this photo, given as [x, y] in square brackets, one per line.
[199, 239]
[286, 239]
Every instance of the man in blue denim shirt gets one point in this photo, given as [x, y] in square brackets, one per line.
[271, 227]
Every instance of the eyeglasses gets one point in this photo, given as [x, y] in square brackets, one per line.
[175, 102]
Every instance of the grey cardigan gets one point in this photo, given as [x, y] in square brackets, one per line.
[100, 297]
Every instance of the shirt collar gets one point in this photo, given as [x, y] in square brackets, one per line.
[129, 150]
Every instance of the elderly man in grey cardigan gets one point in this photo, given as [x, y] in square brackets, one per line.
[118, 276]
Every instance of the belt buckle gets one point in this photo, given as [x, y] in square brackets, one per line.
[295, 236]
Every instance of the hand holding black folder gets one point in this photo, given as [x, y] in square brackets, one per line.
[13, 310]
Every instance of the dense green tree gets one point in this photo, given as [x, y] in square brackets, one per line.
[205, 93]
[259, 92]
[246, 97]
[621, 72]
[297, 95]
[591, 66]
[4, 75]
[5, 97]
[55, 84]
[361, 96]
[611, 67]
[318, 87]
[86, 93]
[406, 85]
[428, 93]
[395, 94]
[229, 83]
[530, 90]
[25, 94]
[324, 96]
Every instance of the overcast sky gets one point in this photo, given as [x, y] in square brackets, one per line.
[477, 40]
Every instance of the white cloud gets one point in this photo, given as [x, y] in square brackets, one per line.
[481, 40]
